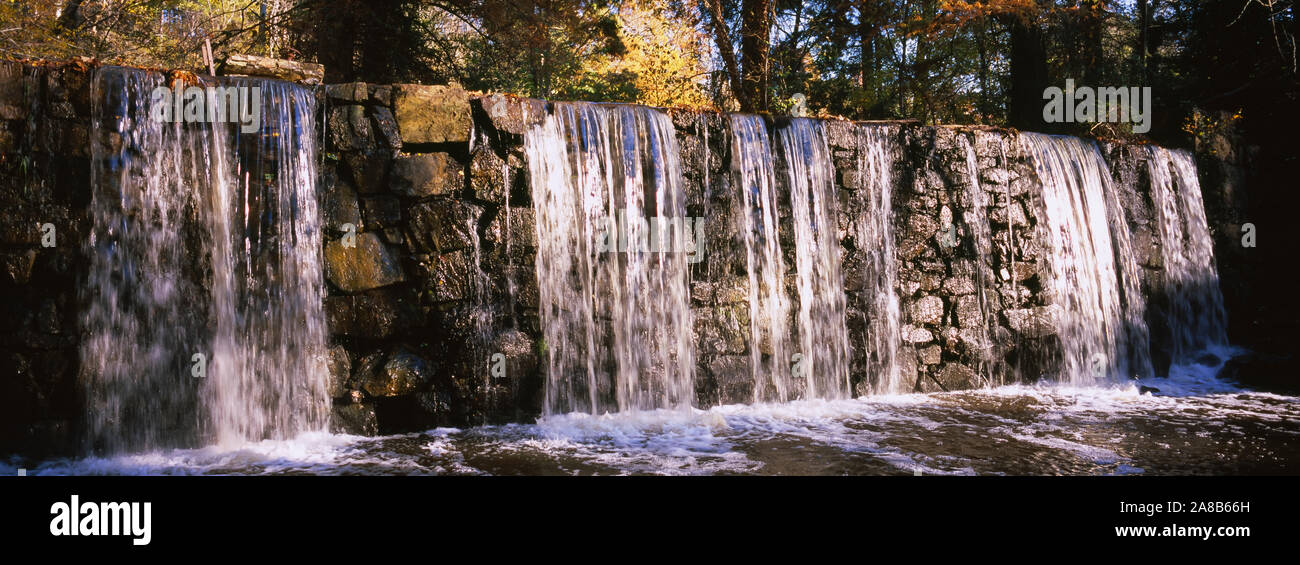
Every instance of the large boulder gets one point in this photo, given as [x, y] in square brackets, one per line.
[368, 170]
[955, 376]
[16, 266]
[488, 174]
[428, 174]
[968, 312]
[522, 228]
[931, 355]
[339, 204]
[917, 336]
[381, 211]
[431, 114]
[511, 114]
[916, 236]
[519, 353]
[442, 226]
[722, 329]
[400, 373]
[1264, 371]
[386, 128]
[365, 265]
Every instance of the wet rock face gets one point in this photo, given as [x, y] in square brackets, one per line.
[365, 264]
[430, 309]
[45, 144]
[432, 174]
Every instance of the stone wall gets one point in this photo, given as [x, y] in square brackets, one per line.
[430, 255]
[420, 299]
[44, 180]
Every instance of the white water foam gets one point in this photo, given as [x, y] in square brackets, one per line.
[1015, 429]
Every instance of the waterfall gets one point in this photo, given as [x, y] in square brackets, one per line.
[1197, 316]
[143, 313]
[1093, 279]
[268, 371]
[874, 233]
[769, 306]
[823, 356]
[611, 263]
[203, 316]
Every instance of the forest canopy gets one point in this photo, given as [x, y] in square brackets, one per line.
[939, 61]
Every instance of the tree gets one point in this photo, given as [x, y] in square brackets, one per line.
[661, 61]
[755, 47]
[722, 38]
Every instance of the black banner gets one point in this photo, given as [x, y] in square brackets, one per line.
[730, 516]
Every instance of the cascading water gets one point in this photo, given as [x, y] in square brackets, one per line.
[612, 259]
[769, 306]
[823, 334]
[204, 263]
[874, 232]
[143, 308]
[1196, 313]
[268, 372]
[1093, 278]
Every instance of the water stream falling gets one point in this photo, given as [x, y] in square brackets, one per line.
[203, 296]
[769, 306]
[823, 334]
[874, 232]
[143, 312]
[1093, 278]
[612, 264]
[268, 372]
[1197, 315]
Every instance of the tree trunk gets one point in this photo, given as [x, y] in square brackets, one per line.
[866, 45]
[1028, 75]
[723, 41]
[755, 46]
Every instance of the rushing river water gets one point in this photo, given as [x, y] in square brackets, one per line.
[1196, 424]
